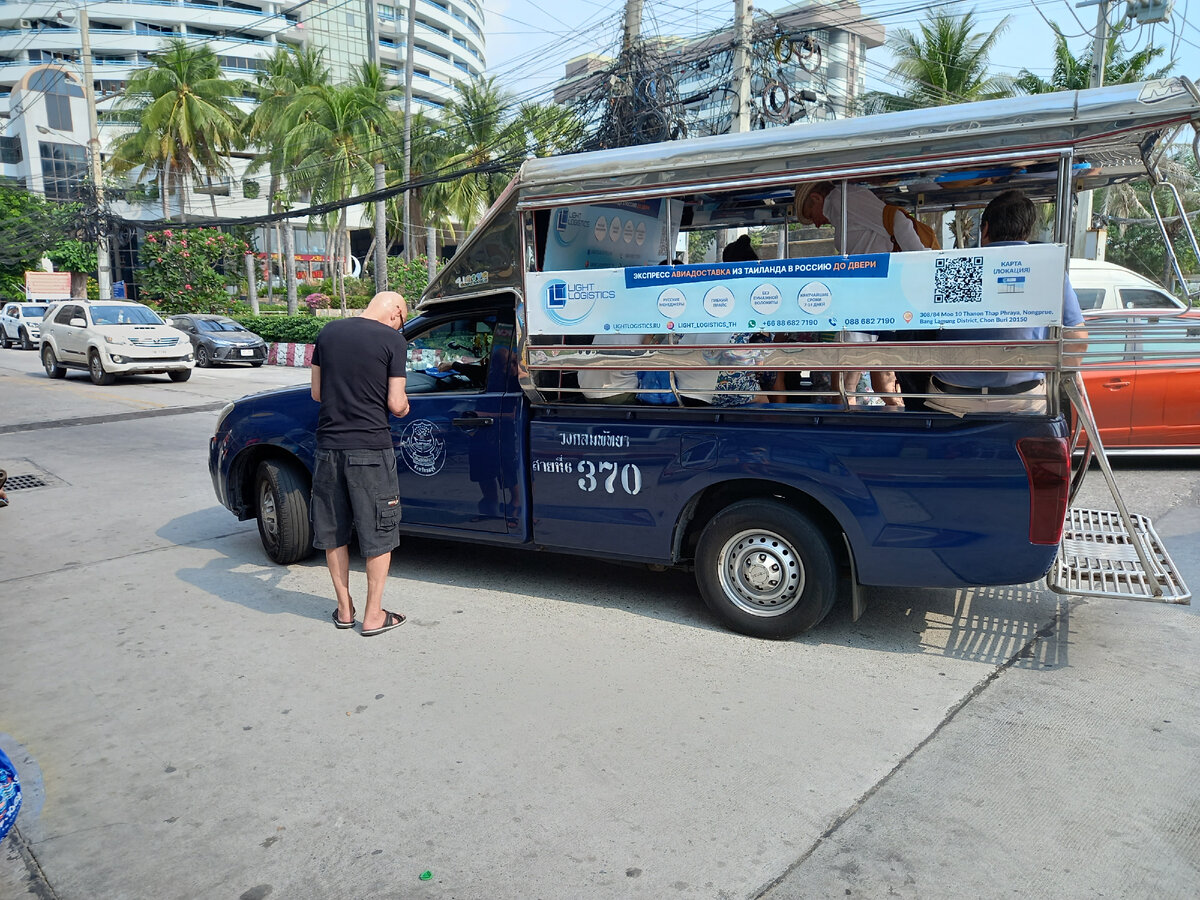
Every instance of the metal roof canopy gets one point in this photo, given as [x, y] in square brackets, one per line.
[1118, 131]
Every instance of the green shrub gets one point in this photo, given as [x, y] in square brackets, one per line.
[284, 329]
[183, 270]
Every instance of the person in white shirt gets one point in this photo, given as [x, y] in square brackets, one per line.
[610, 385]
[820, 203]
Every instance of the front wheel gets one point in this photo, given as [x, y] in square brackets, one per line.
[96, 370]
[5, 343]
[26, 343]
[765, 569]
[50, 364]
[282, 492]
[180, 374]
[203, 360]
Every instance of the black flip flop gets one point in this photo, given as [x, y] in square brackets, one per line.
[390, 620]
[338, 623]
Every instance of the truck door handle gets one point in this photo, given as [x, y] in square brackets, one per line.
[1116, 385]
[470, 423]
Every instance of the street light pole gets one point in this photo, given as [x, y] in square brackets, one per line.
[103, 263]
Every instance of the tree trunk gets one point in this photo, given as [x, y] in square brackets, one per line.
[430, 249]
[212, 197]
[289, 256]
[272, 190]
[343, 250]
[251, 283]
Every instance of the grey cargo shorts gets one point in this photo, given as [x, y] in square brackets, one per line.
[356, 489]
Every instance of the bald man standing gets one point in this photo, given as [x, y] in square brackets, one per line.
[358, 368]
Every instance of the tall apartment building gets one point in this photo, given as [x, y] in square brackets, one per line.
[827, 60]
[43, 119]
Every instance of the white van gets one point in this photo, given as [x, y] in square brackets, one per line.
[1105, 287]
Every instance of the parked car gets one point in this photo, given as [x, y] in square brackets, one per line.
[112, 338]
[1105, 287]
[20, 323]
[220, 340]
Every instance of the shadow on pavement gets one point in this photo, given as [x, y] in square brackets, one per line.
[991, 625]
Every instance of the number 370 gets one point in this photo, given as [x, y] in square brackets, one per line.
[631, 476]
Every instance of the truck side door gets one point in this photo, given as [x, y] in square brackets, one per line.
[449, 463]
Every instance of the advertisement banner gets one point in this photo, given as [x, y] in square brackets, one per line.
[48, 285]
[610, 235]
[1014, 286]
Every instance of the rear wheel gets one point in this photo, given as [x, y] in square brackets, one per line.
[96, 370]
[50, 364]
[765, 569]
[281, 490]
[180, 374]
[26, 343]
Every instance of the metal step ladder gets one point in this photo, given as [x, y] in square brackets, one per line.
[1109, 553]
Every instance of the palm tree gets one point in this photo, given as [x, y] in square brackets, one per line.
[286, 73]
[477, 135]
[547, 129]
[1074, 73]
[189, 123]
[944, 61]
[332, 144]
[371, 79]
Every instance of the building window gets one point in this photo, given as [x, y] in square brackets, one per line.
[58, 90]
[10, 150]
[63, 167]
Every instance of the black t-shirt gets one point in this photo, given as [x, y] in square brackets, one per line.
[357, 357]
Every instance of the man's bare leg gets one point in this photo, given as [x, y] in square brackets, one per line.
[887, 383]
[338, 561]
[377, 572]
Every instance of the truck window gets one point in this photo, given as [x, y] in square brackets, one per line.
[451, 356]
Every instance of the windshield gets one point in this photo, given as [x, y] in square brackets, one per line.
[30, 311]
[219, 325]
[124, 314]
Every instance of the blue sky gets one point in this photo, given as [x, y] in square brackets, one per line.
[528, 41]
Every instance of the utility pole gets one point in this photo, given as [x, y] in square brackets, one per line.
[381, 282]
[742, 24]
[633, 24]
[408, 80]
[103, 262]
[1083, 211]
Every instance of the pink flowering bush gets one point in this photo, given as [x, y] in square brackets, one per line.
[317, 301]
[187, 271]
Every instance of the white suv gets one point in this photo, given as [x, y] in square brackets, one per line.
[19, 323]
[111, 338]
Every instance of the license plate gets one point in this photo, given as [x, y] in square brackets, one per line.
[247, 352]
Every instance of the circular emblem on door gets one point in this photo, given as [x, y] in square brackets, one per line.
[422, 447]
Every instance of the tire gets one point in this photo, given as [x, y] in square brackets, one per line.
[257, 364]
[281, 494]
[5, 343]
[180, 374]
[50, 363]
[26, 343]
[203, 359]
[765, 570]
[96, 370]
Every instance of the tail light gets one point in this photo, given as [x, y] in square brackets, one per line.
[1048, 466]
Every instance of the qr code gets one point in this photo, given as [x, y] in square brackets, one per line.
[958, 280]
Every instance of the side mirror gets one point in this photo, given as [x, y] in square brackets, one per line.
[78, 322]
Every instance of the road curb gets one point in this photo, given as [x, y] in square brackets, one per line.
[288, 354]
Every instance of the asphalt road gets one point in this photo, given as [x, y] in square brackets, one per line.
[188, 724]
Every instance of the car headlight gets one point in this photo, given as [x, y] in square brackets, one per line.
[217, 342]
[223, 414]
[115, 340]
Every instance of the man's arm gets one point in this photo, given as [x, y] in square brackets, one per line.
[1075, 342]
[397, 400]
[905, 233]
[316, 383]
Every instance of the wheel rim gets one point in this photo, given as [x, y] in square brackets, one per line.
[48, 361]
[202, 357]
[268, 515]
[761, 573]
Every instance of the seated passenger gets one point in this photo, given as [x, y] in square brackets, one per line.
[610, 385]
[1009, 219]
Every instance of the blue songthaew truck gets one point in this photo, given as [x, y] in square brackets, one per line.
[773, 498]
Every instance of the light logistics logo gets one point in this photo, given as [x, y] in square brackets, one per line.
[569, 303]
